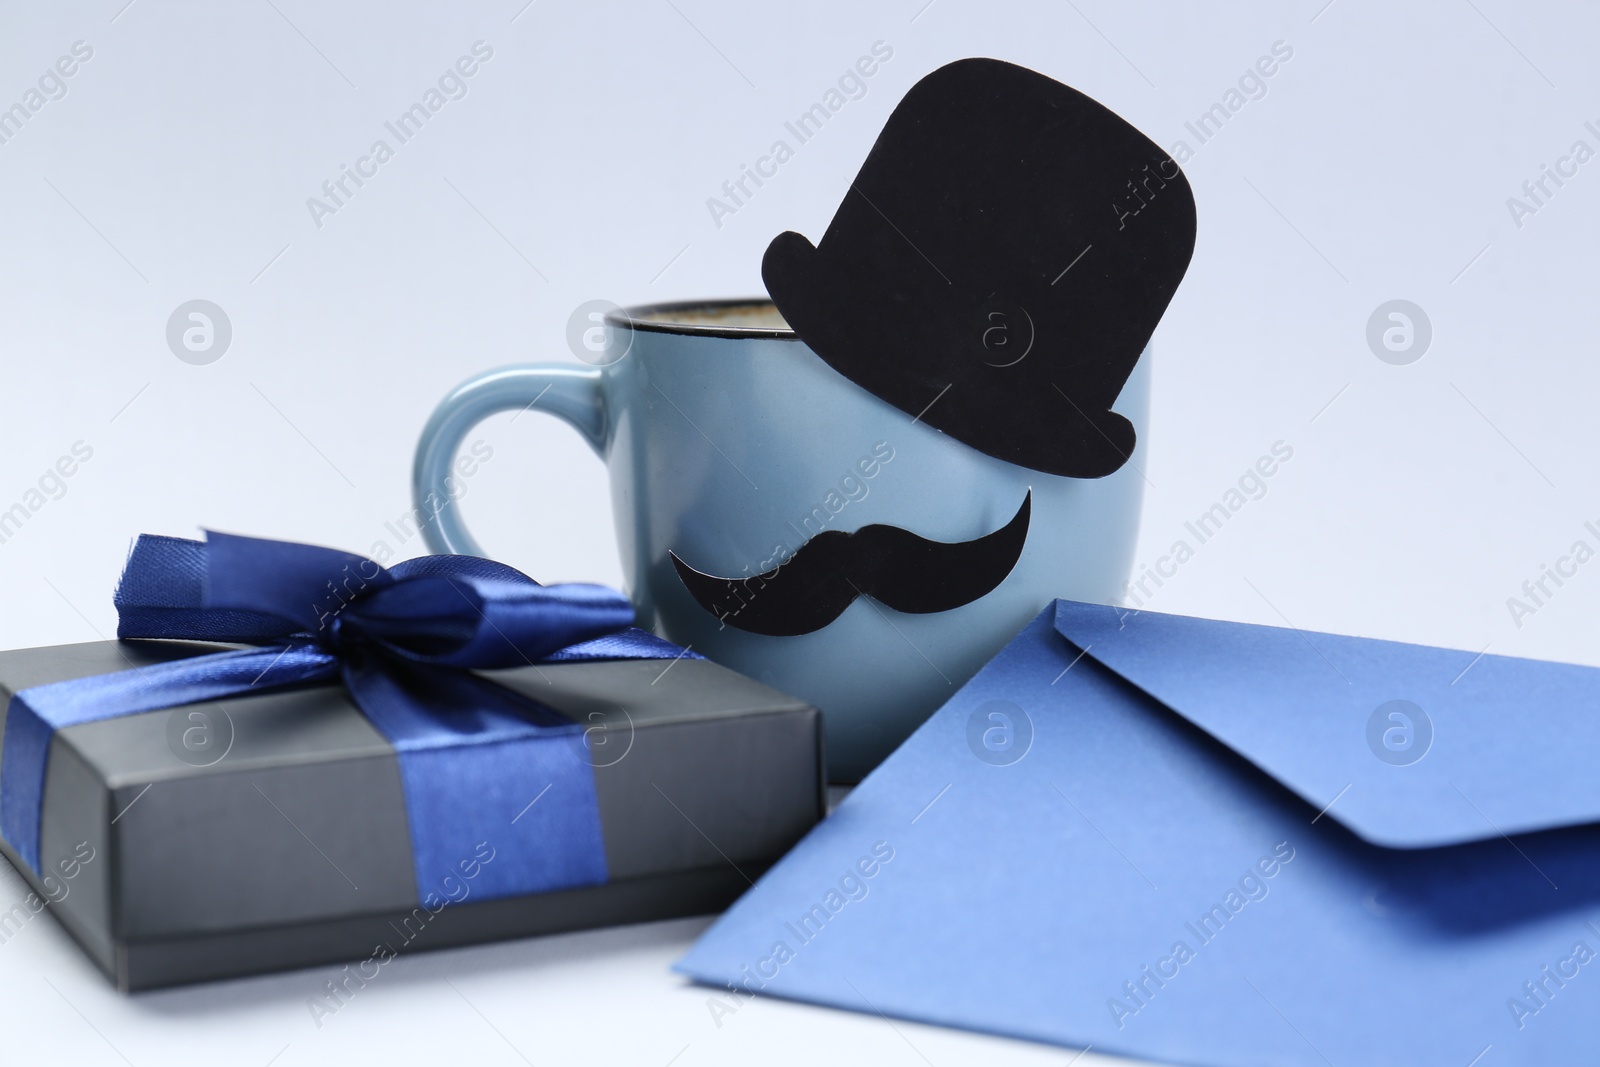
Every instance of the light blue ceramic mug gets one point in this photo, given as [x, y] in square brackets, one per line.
[730, 444]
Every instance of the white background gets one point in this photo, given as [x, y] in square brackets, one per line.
[178, 165]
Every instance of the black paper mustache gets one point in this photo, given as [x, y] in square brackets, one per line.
[894, 566]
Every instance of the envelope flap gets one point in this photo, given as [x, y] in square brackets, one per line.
[1408, 746]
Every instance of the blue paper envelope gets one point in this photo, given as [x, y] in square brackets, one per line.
[1212, 843]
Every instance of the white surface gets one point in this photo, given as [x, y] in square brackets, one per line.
[1414, 506]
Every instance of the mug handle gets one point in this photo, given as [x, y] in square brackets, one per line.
[572, 394]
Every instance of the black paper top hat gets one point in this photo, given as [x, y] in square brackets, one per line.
[998, 266]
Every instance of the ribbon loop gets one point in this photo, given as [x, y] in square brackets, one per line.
[305, 584]
[162, 594]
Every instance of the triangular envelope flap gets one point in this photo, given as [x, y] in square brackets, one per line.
[1406, 745]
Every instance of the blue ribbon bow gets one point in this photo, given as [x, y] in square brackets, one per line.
[404, 641]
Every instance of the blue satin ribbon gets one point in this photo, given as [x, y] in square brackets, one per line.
[474, 756]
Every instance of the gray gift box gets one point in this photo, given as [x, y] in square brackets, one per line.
[269, 831]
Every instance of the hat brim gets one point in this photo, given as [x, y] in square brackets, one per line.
[1043, 427]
